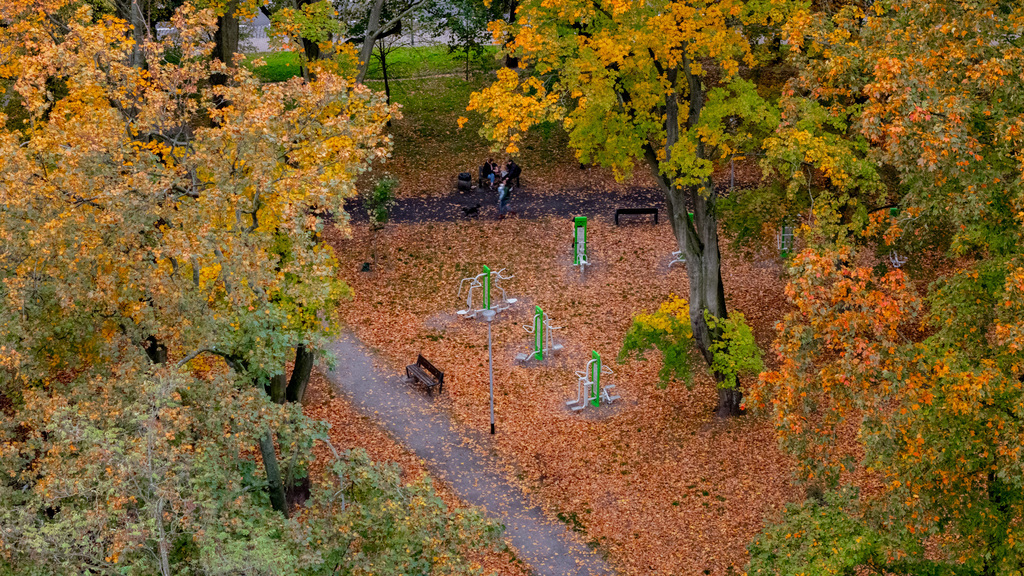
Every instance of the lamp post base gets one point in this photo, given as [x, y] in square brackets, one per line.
[492, 427]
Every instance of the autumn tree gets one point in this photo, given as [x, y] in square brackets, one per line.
[144, 474]
[160, 259]
[662, 84]
[924, 379]
[194, 207]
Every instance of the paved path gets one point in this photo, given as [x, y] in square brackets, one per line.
[525, 202]
[546, 545]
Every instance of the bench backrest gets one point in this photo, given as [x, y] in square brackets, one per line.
[421, 361]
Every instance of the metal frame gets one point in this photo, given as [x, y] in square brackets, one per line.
[677, 258]
[589, 389]
[485, 281]
[579, 249]
[784, 239]
[896, 260]
[543, 341]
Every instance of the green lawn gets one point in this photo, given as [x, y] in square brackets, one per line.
[279, 66]
[404, 62]
[410, 62]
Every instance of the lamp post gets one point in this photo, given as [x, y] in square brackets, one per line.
[488, 316]
[486, 313]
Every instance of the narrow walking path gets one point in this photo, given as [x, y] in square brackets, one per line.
[479, 479]
[527, 204]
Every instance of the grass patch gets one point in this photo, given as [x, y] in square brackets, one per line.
[419, 61]
[403, 62]
[279, 66]
[431, 107]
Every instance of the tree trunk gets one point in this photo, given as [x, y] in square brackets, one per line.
[311, 49]
[729, 402]
[131, 11]
[139, 32]
[277, 390]
[384, 70]
[696, 237]
[370, 40]
[304, 358]
[225, 40]
[510, 61]
[274, 484]
[162, 543]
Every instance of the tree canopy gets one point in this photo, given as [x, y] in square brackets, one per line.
[161, 258]
[929, 376]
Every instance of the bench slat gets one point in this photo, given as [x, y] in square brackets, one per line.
[426, 373]
[621, 211]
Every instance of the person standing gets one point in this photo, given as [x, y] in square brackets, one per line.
[504, 192]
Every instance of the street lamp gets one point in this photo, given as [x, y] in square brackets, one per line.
[487, 313]
[488, 316]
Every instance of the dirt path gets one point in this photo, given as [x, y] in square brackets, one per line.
[526, 204]
[451, 453]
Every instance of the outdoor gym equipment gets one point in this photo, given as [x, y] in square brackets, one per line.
[589, 387]
[895, 259]
[484, 281]
[784, 238]
[677, 256]
[579, 242]
[542, 339]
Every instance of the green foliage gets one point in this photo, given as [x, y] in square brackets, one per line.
[116, 469]
[182, 235]
[668, 330]
[928, 389]
[735, 350]
[829, 537]
[314, 21]
[464, 22]
[379, 201]
[122, 475]
[373, 524]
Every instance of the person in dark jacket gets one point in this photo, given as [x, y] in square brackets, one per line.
[512, 172]
[487, 172]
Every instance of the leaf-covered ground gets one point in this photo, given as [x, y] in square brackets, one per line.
[654, 480]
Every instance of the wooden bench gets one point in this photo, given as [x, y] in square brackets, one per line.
[653, 211]
[426, 373]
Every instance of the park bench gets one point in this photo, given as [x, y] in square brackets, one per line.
[620, 211]
[426, 373]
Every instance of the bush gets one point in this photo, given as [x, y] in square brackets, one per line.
[735, 352]
[379, 201]
[667, 329]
